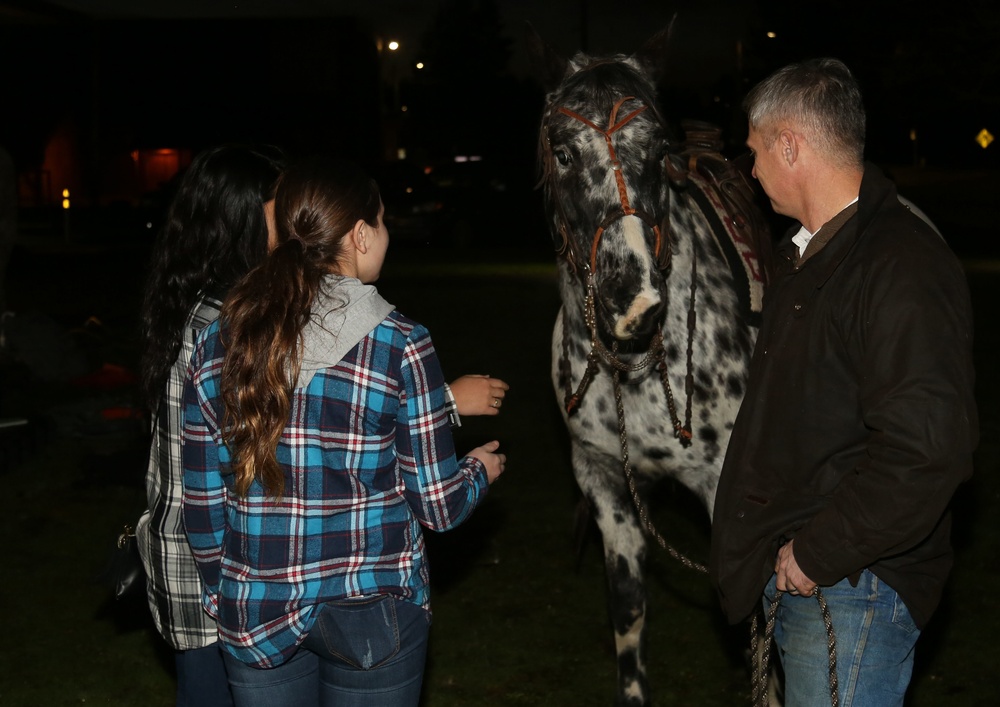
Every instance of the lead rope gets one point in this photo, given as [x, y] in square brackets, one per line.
[761, 651]
[630, 479]
[656, 353]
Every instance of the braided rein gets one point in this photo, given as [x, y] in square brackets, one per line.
[761, 651]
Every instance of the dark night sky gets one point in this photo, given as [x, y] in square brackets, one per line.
[955, 43]
[612, 26]
[710, 25]
[933, 68]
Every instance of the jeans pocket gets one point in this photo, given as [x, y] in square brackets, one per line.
[901, 616]
[364, 633]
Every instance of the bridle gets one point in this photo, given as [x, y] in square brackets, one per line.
[625, 208]
[656, 354]
[662, 253]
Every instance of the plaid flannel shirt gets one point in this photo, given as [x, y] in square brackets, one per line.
[368, 457]
[173, 585]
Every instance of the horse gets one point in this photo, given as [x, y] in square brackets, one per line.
[652, 342]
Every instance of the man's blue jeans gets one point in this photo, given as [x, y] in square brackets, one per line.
[360, 653]
[875, 640]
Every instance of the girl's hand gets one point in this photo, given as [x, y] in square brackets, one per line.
[478, 394]
[488, 455]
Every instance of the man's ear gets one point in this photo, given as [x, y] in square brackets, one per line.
[789, 145]
[359, 236]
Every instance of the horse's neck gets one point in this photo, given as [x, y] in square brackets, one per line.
[680, 236]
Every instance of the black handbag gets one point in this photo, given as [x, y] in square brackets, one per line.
[125, 574]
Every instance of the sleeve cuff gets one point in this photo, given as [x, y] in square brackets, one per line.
[451, 407]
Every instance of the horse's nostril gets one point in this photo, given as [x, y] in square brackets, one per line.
[640, 320]
[649, 321]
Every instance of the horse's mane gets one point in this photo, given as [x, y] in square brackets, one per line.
[607, 80]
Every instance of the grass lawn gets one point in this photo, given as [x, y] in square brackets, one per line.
[519, 615]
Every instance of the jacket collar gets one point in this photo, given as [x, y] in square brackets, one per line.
[876, 191]
[826, 232]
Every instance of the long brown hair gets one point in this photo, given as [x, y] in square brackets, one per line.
[317, 203]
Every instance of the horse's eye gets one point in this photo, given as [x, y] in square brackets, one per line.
[563, 157]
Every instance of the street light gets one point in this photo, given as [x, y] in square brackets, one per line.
[65, 206]
[392, 106]
[391, 71]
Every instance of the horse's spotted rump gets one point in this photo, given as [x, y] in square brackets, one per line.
[614, 205]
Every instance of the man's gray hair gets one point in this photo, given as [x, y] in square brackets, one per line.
[820, 96]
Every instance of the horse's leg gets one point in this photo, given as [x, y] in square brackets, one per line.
[624, 559]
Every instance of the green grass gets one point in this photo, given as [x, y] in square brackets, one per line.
[519, 616]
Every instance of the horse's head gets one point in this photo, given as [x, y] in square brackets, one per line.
[602, 146]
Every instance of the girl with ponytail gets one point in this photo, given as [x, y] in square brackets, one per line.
[317, 444]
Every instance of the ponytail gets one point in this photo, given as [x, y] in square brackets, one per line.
[261, 323]
[263, 317]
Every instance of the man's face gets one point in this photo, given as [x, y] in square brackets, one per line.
[770, 169]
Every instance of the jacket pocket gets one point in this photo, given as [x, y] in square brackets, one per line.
[752, 503]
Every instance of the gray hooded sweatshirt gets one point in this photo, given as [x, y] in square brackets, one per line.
[345, 312]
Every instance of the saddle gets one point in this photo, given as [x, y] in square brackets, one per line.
[731, 193]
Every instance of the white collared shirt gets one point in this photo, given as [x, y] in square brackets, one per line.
[802, 238]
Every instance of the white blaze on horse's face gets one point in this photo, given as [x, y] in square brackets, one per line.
[627, 257]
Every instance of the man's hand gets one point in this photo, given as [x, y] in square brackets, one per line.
[791, 579]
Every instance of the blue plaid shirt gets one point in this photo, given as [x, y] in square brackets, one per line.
[368, 457]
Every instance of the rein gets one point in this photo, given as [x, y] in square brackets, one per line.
[662, 253]
[762, 653]
[656, 354]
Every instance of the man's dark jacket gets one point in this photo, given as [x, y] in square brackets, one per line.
[858, 421]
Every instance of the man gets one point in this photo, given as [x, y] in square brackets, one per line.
[858, 421]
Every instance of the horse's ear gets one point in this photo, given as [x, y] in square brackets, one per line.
[653, 54]
[547, 65]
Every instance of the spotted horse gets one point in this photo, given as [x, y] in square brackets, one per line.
[660, 278]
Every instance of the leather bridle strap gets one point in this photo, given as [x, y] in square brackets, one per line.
[626, 209]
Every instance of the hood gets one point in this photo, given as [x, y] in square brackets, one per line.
[344, 313]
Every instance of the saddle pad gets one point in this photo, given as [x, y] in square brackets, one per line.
[734, 244]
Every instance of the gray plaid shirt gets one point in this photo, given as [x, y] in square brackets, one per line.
[173, 585]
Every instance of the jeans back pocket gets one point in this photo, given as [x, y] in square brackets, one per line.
[363, 633]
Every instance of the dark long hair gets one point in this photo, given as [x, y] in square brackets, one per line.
[317, 203]
[214, 233]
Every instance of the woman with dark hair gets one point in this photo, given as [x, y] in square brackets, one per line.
[215, 232]
[316, 445]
